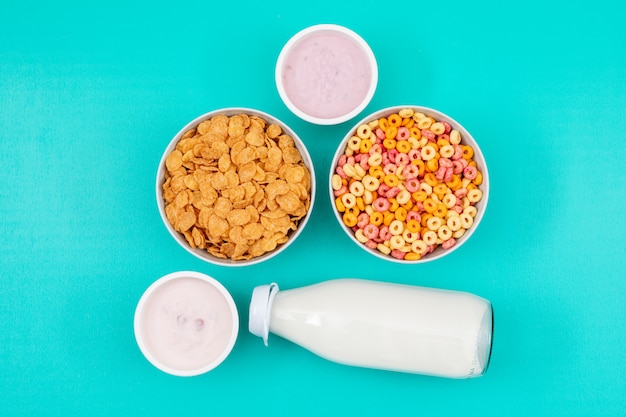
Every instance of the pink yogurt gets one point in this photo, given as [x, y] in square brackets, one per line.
[326, 73]
[186, 323]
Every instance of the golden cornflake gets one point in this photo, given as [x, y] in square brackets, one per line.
[236, 186]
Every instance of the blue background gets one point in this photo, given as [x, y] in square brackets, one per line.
[90, 95]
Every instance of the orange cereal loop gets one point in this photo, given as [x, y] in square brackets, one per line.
[403, 146]
[429, 205]
[339, 204]
[360, 204]
[394, 204]
[471, 186]
[420, 166]
[365, 146]
[412, 256]
[388, 217]
[408, 122]
[440, 189]
[454, 183]
[413, 226]
[442, 142]
[425, 217]
[432, 165]
[415, 132]
[479, 178]
[440, 211]
[389, 143]
[383, 123]
[431, 179]
[376, 218]
[472, 163]
[349, 219]
[377, 172]
[400, 214]
[408, 205]
[468, 152]
[391, 180]
[391, 132]
[395, 120]
[419, 196]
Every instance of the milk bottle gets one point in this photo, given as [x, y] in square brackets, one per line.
[380, 325]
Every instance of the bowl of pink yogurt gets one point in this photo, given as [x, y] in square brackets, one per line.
[326, 74]
[186, 323]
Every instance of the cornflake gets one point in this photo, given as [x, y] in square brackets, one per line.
[236, 186]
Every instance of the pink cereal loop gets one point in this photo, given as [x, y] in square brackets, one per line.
[341, 191]
[341, 173]
[363, 220]
[458, 152]
[448, 176]
[384, 233]
[403, 133]
[398, 254]
[412, 184]
[342, 160]
[402, 159]
[371, 231]
[392, 153]
[441, 172]
[448, 243]
[381, 204]
[382, 189]
[444, 136]
[390, 169]
[414, 154]
[447, 127]
[359, 157]
[445, 162]
[413, 215]
[364, 163]
[458, 167]
[376, 148]
[380, 134]
[428, 135]
[458, 209]
[350, 160]
[392, 192]
[371, 244]
[460, 193]
[470, 172]
[410, 171]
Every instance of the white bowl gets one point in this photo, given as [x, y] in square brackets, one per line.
[326, 74]
[467, 139]
[186, 323]
[203, 254]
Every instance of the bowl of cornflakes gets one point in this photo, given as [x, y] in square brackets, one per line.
[409, 184]
[235, 186]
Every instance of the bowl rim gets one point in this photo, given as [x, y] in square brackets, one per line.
[297, 38]
[160, 178]
[478, 157]
[138, 318]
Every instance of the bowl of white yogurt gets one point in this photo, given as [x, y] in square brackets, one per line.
[326, 74]
[186, 323]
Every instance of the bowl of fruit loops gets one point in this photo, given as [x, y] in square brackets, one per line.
[409, 184]
[235, 187]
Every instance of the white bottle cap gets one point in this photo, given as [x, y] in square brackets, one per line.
[260, 310]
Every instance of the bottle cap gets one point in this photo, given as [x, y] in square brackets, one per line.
[260, 310]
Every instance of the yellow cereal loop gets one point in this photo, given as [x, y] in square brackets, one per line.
[446, 151]
[375, 160]
[368, 198]
[434, 223]
[455, 137]
[360, 236]
[396, 242]
[349, 170]
[454, 223]
[471, 210]
[354, 143]
[444, 233]
[370, 183]
[403, 197]
[357, 188]
[335, 182]
[384, 249]
[428, 152]
[474, 195]
[404, 113]
[437, 128]
[376, 218]
[348, 200]
[459, 233]
[363, 131]
[430, 237]
[466, 220]
[419, 247]
[449, 200]
[349, 219]
[424, 122]
[410, 237]
[373, 124]
[359, 171]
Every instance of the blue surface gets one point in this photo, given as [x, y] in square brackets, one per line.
[90, 95]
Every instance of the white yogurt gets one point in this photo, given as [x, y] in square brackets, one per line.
[186, 323]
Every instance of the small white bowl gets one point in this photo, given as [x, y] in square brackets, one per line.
[186, 323]
[326, 74]
[467, 139]
[160, 179]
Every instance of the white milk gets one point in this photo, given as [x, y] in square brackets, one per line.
[381, 325]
